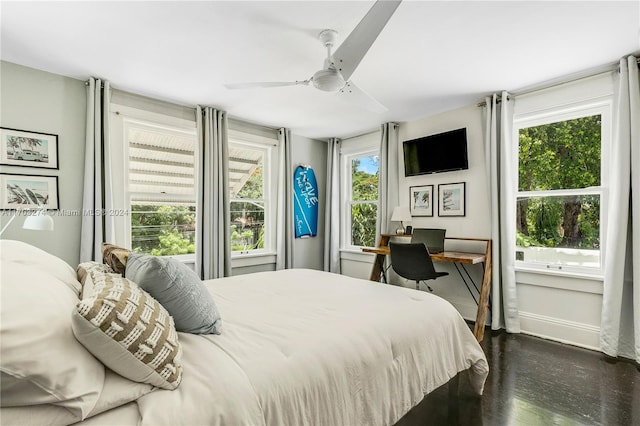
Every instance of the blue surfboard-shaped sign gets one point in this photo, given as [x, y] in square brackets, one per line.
[305, 202]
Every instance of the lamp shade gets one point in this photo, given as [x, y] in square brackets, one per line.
[401, 214]
[38, 222]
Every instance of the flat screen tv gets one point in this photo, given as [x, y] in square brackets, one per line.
[443, 152]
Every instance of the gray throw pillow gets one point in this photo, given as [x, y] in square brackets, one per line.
[178, 289]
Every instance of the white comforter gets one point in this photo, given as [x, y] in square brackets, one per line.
[306, 347]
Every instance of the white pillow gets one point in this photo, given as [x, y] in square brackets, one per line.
[28, 255]
[41, 362]
[117, 391]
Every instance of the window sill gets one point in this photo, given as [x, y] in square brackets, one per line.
[184, 258]
[595, 275]
[356, 255]
[561, 280]
[241, 261]
[252, 259]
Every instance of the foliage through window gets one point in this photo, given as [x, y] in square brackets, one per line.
[162, 188]
[559, 192]
[163, 230]
[363, 200]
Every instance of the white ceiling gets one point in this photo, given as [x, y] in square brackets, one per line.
[431, 57]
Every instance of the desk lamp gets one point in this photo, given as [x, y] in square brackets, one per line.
[38, 221]
[401, 214]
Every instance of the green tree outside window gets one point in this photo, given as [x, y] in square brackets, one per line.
[364, 187]
[247, 214]
[561, 155]
[163, 230]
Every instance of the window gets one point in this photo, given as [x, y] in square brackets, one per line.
[250, 188]
[162, 188]
[362, 199]
[560, 189]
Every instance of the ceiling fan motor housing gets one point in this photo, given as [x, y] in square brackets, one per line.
[328, 80]
[348, 56]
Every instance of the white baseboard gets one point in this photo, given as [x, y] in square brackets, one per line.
[572, 333]
[559, 330]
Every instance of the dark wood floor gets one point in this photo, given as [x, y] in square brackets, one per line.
[534, 381]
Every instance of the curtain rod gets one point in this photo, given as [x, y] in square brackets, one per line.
[484, 103]
[86, 83]
[562, 80]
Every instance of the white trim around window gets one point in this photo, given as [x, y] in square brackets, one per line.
[268, 147]
[360, 146]
[602, 106]
[122, 120]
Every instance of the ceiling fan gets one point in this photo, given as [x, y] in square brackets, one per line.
[339, 66]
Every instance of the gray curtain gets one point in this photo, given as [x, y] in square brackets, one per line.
[98, 190]
[388, 185]
[620, 327]
[502, 176]
[284, 231]
[332, 208]
[213, 219]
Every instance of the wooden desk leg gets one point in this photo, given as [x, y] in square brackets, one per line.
[376, 270]
[485, 291]
[378, 262]
[384, 241]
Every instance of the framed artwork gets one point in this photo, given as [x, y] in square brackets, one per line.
[421, 200]
[451, 199]
[28, 192]
[28, 149]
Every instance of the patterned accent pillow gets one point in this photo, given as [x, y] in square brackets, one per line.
[85, 279]
[129, 331]
[116, 257]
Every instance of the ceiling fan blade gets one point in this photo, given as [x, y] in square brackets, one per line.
[354, 95]
[348, 56]
[266, 84]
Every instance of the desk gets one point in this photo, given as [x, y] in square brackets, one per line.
[446, 256]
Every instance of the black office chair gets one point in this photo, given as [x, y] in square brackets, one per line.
[432, 237]
[413, 262]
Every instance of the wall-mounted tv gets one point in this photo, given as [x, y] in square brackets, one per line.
[443, 152]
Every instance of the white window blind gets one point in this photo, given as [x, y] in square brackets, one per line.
[161, 166]
[162, 188]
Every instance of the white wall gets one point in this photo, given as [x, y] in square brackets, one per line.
[43, 102]
[561, 308]
[309, 252]
[476, 222]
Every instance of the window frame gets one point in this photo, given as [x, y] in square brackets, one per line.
[135, 123]
[347, 156]
[269, 149]
[602, 107]
[122, 119]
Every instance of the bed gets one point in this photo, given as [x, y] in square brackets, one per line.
[297, 347]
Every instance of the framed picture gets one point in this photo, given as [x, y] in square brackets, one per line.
[28, 192]
[28, 149]
[421, 200]
[451, 199]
